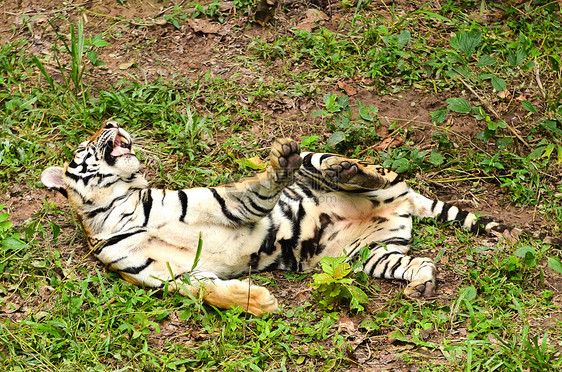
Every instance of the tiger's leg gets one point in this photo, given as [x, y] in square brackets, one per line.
[390, 262]
[253, 198]
[226, 294]
[340, 173]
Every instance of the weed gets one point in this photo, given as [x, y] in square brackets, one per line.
[348, 130]
[334, 285]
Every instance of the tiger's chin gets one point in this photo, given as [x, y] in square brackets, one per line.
[127, 164]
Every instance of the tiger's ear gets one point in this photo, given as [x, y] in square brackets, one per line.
[53, 178]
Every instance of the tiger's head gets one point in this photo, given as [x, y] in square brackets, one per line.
[103, 167]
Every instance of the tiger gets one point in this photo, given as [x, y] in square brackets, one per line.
[304, 206]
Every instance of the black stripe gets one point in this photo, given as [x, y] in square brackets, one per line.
[183, 201]
[137, 269]
[479, 227]
[382, 257]
[95, 212]
[461, 216]
[224, 209]
[116, 239]
[390, 200]
[395, 267]
[74, 177]
[288, 259]
[397, 180]
[325, 156]
[111, 183]
[115, 261]
[396, 241]
[147, 206]
[292, 195]
[263, 197]
[268, 244]
[307, 192]
[307, 164]
[444, 212]
[433, 205]
[261, 210]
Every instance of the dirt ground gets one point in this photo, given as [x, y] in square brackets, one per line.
[146, 48]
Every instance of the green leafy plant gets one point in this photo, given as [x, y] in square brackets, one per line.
[348, 129]
[335, 286]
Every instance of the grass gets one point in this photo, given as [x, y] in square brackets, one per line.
[498, 308]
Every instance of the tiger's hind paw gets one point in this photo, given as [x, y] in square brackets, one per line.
[341, 172]
[353, 174]
[285, 154]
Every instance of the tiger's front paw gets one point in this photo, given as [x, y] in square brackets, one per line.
[285, 154]
[420, 290]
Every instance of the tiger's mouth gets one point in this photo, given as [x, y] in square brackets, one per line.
[121, 146]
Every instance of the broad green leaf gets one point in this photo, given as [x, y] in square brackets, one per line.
[358, 293]
[468, 41]
[503, 143]
[460, 105]
[551, 126]
[485, 76]
[254, 163]
[555, 61]
[537, 152]
[13, 243]
[498, 84]
[367, 113]
[528, 106]
[5, 225]
[341, 270]
[468, 293]
[436, 158]
[404, 38]
[486, 60]
[322, 278]
[402, 165]
[523, 251]
[548, 150]
[515, 58]
[4, 216]
[330, 102]
[493, 125]
[335, 138]
[555, 264]
[97, 41]
[439, 116]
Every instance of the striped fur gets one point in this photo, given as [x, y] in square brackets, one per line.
[302, 208]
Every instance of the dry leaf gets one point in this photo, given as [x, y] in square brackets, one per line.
[389, 142]
[126, 65]
[204, 26]
[504, 94]
[311, 20]
[348, 89]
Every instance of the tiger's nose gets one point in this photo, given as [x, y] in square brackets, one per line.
[111, 124]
